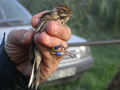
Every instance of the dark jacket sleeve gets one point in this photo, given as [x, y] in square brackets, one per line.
[7, 69]
[10, 77]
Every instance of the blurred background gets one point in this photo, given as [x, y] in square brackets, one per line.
[93, 20]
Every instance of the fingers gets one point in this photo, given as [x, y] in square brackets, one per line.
[46, 53]
[49, 41]
[36, 19]
[53, 28]
[58, 30]
[49, 61]
[56, 34]
[20, 37]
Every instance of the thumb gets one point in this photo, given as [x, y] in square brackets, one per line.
[20, 37]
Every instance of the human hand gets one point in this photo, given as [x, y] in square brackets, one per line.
[19, 41]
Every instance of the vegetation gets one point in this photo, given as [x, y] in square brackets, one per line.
[93, 20]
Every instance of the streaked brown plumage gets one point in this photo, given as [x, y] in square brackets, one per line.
[62, 14]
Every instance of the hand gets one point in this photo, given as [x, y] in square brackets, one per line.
[19, 41]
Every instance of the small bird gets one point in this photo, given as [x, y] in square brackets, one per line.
[62, 14]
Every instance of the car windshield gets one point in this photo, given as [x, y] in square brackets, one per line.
[12, 13]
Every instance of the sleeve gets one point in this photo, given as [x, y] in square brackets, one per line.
[10, 77]
[7, 68]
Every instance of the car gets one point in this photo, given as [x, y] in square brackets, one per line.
[14, 16]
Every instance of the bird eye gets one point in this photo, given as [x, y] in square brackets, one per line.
[64, 10]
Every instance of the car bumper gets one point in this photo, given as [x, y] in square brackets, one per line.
[70, 72]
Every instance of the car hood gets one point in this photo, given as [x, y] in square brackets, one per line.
[74, 38]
